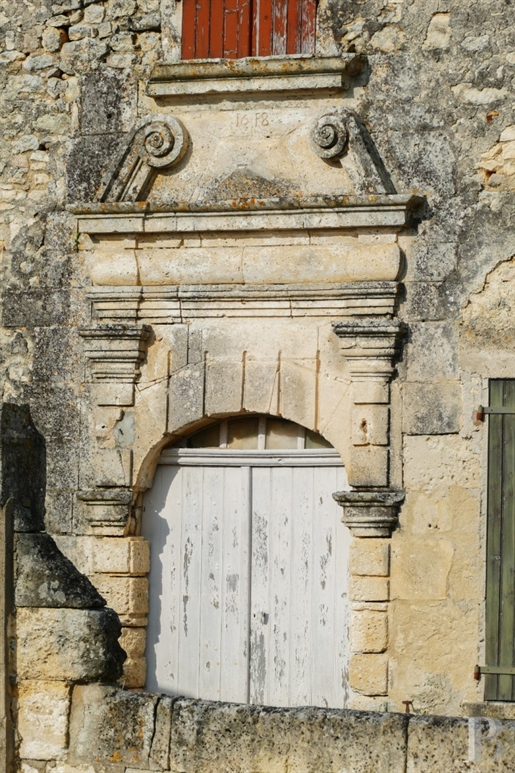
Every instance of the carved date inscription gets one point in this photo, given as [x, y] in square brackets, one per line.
[252, 124]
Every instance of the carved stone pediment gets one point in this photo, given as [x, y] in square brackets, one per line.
[248, 173]
[278, 153]
[247, 131]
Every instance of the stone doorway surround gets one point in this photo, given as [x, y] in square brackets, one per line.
[243, 256]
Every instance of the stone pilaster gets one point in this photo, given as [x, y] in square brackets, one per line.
[115, 353]
[370, 347]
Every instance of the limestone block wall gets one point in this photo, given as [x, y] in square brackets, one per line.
[55, 625]
[435, 95]
[141, 732]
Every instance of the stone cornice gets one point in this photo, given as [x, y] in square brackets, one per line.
[393, 211]
[381, 335]
[254, 75]
[115, 351]
[370, 346]
[370, 513]
[407, 201]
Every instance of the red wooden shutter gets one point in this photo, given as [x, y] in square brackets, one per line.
[232, 29]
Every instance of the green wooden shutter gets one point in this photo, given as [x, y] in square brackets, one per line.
[500, 576]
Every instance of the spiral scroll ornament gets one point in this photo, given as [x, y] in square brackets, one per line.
[161, 143]
[154, 144]
[330, 136]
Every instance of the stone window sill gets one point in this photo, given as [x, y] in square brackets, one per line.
[209, 77]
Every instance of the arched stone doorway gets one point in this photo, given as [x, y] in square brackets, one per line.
[249, 567]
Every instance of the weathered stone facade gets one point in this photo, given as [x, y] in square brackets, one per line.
[179, 245]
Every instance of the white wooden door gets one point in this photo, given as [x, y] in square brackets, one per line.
[249, 577]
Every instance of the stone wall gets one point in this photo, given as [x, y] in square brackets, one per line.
[56, 626]
[435, 95]
[117, 730]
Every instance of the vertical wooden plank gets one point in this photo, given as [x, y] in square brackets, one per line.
[212, 563]
[507, 619]
[230, 38]
[263, 23]
[254, 33]
[294, 26]
[300, 568]
[494, 536]
[189, 29]
[280, 20]
[162, 527]
[244, 29]
[260, 585]
[216, 30]
[191, 572]
[279, 611]
[308, 31]
[202, 29]
[323, 591]
[301, 626]
[236, 585]
[341, 595]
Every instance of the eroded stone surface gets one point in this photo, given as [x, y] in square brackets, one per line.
[114, 726]
[435, 97]
[68, 644]
[46, 578]
[207, 737]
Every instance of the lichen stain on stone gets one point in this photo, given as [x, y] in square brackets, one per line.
[244, 185]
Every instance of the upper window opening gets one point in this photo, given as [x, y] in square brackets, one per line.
[233, 29]
[259, 433]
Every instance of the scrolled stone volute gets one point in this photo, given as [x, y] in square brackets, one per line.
[154, 144]
[162, 142]
[370, 513]
[330, 136]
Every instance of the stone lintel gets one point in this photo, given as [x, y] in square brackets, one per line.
[115, 351]
[175, 304]
[370, 513]
[254, 75]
